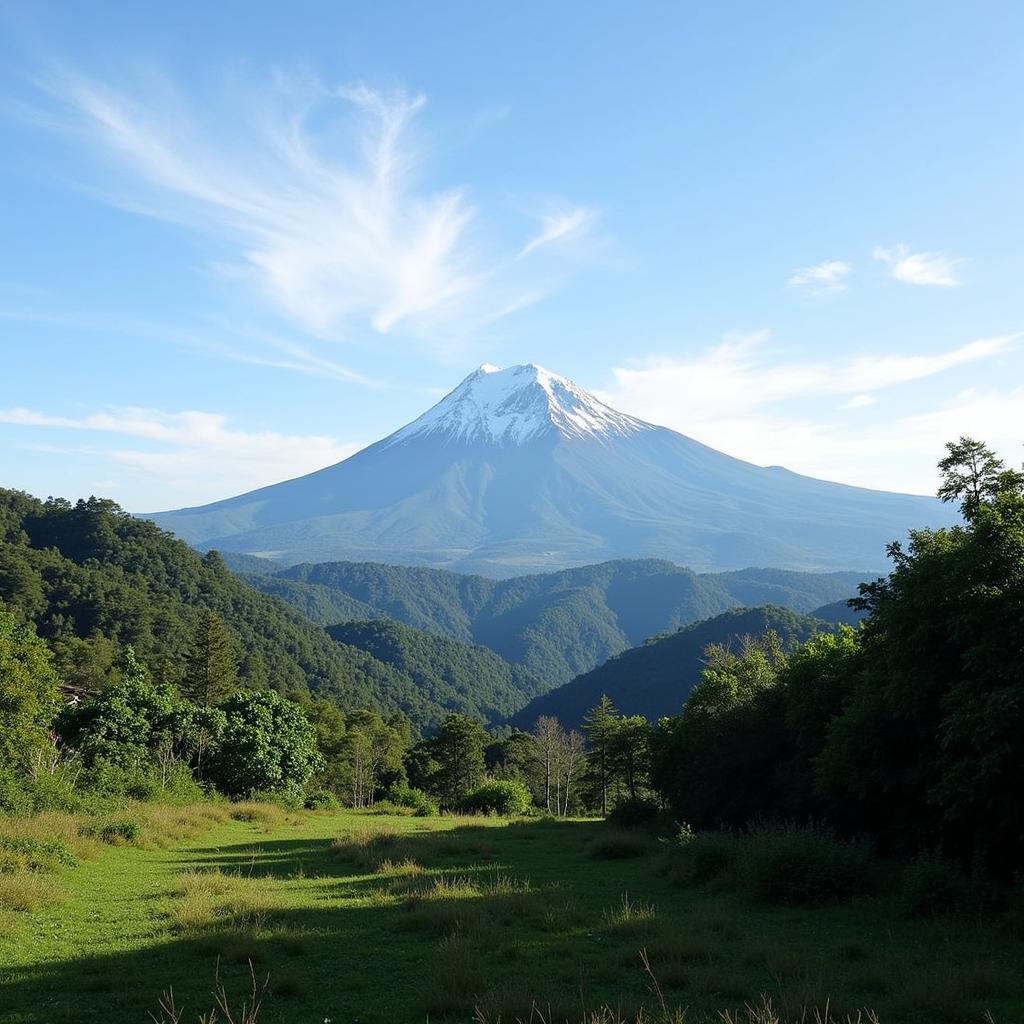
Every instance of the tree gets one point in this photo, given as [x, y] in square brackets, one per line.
[28, 691]
[370, 757]
[600, 725]
[570, 759]
[211, 672]
[458, 750]
[268, 744]
[716, 763]
[548, 732]
[630, 753]
[972, 474]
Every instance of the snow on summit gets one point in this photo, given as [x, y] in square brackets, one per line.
[515, 405]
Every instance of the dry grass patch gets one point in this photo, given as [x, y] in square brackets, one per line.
[27, 891]
[629, 915]
[204, 900]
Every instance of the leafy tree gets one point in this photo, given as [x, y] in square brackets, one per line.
[268, 744]
[630, 753]
[28, 691]
[716, 762]
[457, 750]
[370, 757]
[600, 726]
[939, 698]
[211, 671]
[973, 474]
[136, 724]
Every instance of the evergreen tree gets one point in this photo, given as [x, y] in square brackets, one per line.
[458, 749]
[211, 673]
[600, 725]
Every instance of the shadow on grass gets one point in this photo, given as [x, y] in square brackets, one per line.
[390, 925]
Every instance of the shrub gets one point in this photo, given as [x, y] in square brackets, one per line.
[805, 865]
[632, 813]
[403, 795]
[321, 800]
[931, 885]
[116, 832]
[700, 858]
[27, 853]
[504, 797]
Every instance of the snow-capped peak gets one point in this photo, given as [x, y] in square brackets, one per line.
[518, 404]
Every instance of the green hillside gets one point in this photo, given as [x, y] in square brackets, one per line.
[655, 679]
[94, 579]
[556, 625]
[448, 674]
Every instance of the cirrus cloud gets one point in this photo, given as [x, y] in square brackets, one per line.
[320, 194]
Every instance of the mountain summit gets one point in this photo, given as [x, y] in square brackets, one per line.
[516, 405]
[520, 470]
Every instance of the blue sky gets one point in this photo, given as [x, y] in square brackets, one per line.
[241, 240]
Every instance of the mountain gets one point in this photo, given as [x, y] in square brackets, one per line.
[448, 675]
[655, 679]
[556, 625]
[94, 579]
[520, 470]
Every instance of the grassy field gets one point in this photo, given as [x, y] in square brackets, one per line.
[362, 919]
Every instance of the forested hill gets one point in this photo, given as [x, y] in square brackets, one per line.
[557, 625]
[93, 579]
[656, 678]
[448, 673]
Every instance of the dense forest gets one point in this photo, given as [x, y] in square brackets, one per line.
[93, 580]
[557, 625]
[655, 678]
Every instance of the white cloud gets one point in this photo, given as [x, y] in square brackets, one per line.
[829, 276]
[195, 455]
[859, 402]
[319, 193]
[741, 398]
[559, 227]
[925, 268]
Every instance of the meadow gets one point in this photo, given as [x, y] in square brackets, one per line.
[371, 918]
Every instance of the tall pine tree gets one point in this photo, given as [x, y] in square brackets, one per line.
[211, 673]
[601, 724]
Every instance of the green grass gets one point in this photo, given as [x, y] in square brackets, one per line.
[388, 920]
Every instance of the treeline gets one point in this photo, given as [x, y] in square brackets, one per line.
[908, 731]
[138, 737]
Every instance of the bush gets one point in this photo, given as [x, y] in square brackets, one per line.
[402, 795]
[931, 885]
[503, 797]
[321, 800]
[23, 795]
[805, 866]
[116, 832]
[634, 812]
[700, 858]
[27, 853]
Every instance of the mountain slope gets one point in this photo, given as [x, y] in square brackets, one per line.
[448, 674]
[557, 625]
[521, 470]
[655, 679]
[94, 579]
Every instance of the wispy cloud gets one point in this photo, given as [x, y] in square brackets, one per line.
[196, 455]
[923, 268]
[741, 396]
[559, 227]
[319, 193]
[829, 276]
